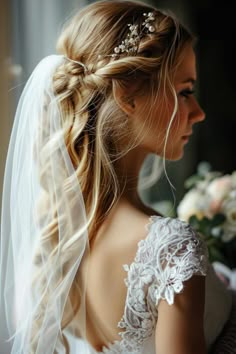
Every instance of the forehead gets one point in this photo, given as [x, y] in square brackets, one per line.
[186, 70]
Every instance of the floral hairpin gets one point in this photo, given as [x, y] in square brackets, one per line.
[131, 42]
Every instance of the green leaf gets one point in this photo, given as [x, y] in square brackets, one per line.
[203, 168]
[213, 242]
[205, 226]
[205, 222]
[217, 219]
[195, 222]
[192, 181]
[216, 255]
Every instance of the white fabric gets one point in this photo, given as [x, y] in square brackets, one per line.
[227, 273]
[170, 254]
[43, 225]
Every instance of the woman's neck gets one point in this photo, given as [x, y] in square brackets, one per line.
[128, 170]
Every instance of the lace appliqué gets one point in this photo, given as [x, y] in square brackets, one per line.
[170, 254]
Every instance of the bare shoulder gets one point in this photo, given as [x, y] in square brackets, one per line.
[118, 237]
[129, 222]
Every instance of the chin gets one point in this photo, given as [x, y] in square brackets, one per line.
[174, 155]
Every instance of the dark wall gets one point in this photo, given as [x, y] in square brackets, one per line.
[216, 27]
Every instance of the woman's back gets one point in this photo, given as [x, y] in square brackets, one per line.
[115, 245]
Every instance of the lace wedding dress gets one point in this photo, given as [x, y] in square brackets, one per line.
[170, 254]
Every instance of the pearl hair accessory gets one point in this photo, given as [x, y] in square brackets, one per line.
[131, 42]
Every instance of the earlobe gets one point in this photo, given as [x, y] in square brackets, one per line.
[131, 102]
[124, 101]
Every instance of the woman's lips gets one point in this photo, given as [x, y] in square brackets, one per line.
[185, 138]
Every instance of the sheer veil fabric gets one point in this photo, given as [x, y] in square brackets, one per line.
[44, 227]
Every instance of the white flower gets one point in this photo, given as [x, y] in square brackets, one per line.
[220, 187]
[229, 210]
[213, 194]
[191, 204]
[234, 179]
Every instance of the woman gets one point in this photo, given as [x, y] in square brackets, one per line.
[74, 226]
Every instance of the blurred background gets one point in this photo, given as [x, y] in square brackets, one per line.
[29, 29]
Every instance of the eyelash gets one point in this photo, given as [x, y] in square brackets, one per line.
[186, 93]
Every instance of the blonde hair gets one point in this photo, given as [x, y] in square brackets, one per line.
[93, 123]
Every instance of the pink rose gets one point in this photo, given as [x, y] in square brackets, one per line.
[218, 190]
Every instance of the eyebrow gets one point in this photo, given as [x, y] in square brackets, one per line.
[191, 80]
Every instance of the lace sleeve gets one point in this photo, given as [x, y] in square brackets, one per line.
[174, 252]
[170, 254]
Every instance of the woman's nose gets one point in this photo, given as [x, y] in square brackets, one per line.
[197, 114]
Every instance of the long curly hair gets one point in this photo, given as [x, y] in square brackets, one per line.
[94, 125]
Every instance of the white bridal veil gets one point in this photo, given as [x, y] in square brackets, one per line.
[44, 228]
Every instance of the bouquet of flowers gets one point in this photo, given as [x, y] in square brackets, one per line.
[210, 207]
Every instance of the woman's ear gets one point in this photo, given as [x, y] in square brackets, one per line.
[124, 99]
